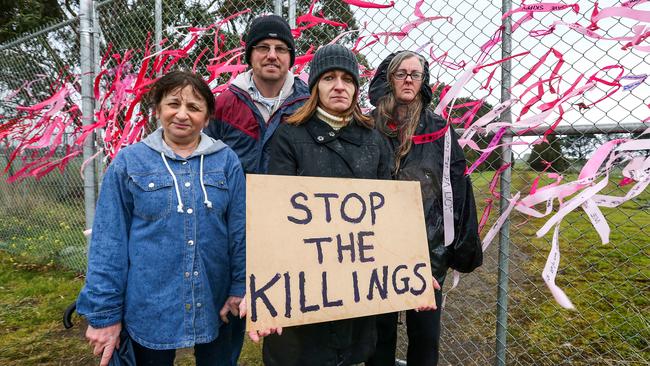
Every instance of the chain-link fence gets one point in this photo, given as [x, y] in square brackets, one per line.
[40, 220]
[609, 284]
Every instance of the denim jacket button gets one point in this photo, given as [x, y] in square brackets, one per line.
[196, 273]
[320, 138]
[189, 211]
[185, 162]
[187, 274]
[331, 133]
[187, 184]
[198, 304]
[190, 242]
[151, 185]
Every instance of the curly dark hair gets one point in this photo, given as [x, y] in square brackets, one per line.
[180, 79]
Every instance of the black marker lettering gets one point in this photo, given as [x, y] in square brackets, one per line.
[287, 295]
[375, 206]
[345, 216]
[303, 307]
[259, 294]
[382, 287]
[326, 302]
[299, 206]
[405, 280]
[418, 275]
[340, 247]
[326, 197]
[318, 242]
[363, 248]
[355, 283]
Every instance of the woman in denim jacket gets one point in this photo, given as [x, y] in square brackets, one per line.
[167, 255]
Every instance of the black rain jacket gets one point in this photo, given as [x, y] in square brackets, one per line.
[315, 149]
[423, 163]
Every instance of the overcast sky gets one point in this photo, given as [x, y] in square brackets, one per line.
[475, 21]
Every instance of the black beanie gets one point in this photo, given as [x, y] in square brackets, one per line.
[269, 26]
[333, 57]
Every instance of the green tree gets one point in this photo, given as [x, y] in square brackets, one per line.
[549, 151]
[41, 60]
[21, 16]
[580, 147]
[335, 10]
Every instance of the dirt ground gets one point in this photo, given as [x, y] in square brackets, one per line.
[469, 317]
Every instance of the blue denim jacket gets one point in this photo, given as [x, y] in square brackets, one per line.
[167, 249]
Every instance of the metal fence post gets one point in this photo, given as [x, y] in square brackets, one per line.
[278, 7]
[292, 13]
[504, 238]
[158, 20]
[99, 171]
[87, 104]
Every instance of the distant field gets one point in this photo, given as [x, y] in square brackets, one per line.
[609, 284]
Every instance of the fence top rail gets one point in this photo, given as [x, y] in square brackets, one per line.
[605, 128]
[51, 28]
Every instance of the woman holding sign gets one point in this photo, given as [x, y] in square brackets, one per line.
[167, 256]
[328, 137]
[401, 94]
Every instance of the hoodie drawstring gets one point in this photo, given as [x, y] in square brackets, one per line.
[206, 201]
[179, 208]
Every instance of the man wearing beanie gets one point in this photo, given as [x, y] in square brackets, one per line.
[249, 111]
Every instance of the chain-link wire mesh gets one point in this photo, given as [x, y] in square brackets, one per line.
[40, 221]
[609, 284]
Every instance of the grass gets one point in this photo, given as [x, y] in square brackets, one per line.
[32, 300]
[42, 225]
[609, 285]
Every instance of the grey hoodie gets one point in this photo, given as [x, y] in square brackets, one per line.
[207, 145]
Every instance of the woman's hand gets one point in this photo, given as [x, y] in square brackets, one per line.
[256, 335]
[232, 306]
[436, 286]
[104, 341]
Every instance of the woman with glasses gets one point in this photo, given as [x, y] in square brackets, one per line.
[401, 94]
[327, 137]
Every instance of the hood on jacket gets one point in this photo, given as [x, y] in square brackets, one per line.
[244, 81]
[379, 86]
[207, 145]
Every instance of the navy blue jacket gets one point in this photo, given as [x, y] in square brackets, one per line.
[238, 123]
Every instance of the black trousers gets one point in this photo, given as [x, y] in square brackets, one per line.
[423, 330]
[218, 352]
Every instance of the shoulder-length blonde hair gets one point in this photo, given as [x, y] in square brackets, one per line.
[308, 109]
[387, 109]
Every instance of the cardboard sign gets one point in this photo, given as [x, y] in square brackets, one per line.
[321, 249]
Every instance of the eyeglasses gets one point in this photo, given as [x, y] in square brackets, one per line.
[401, 75]
[264, 49]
